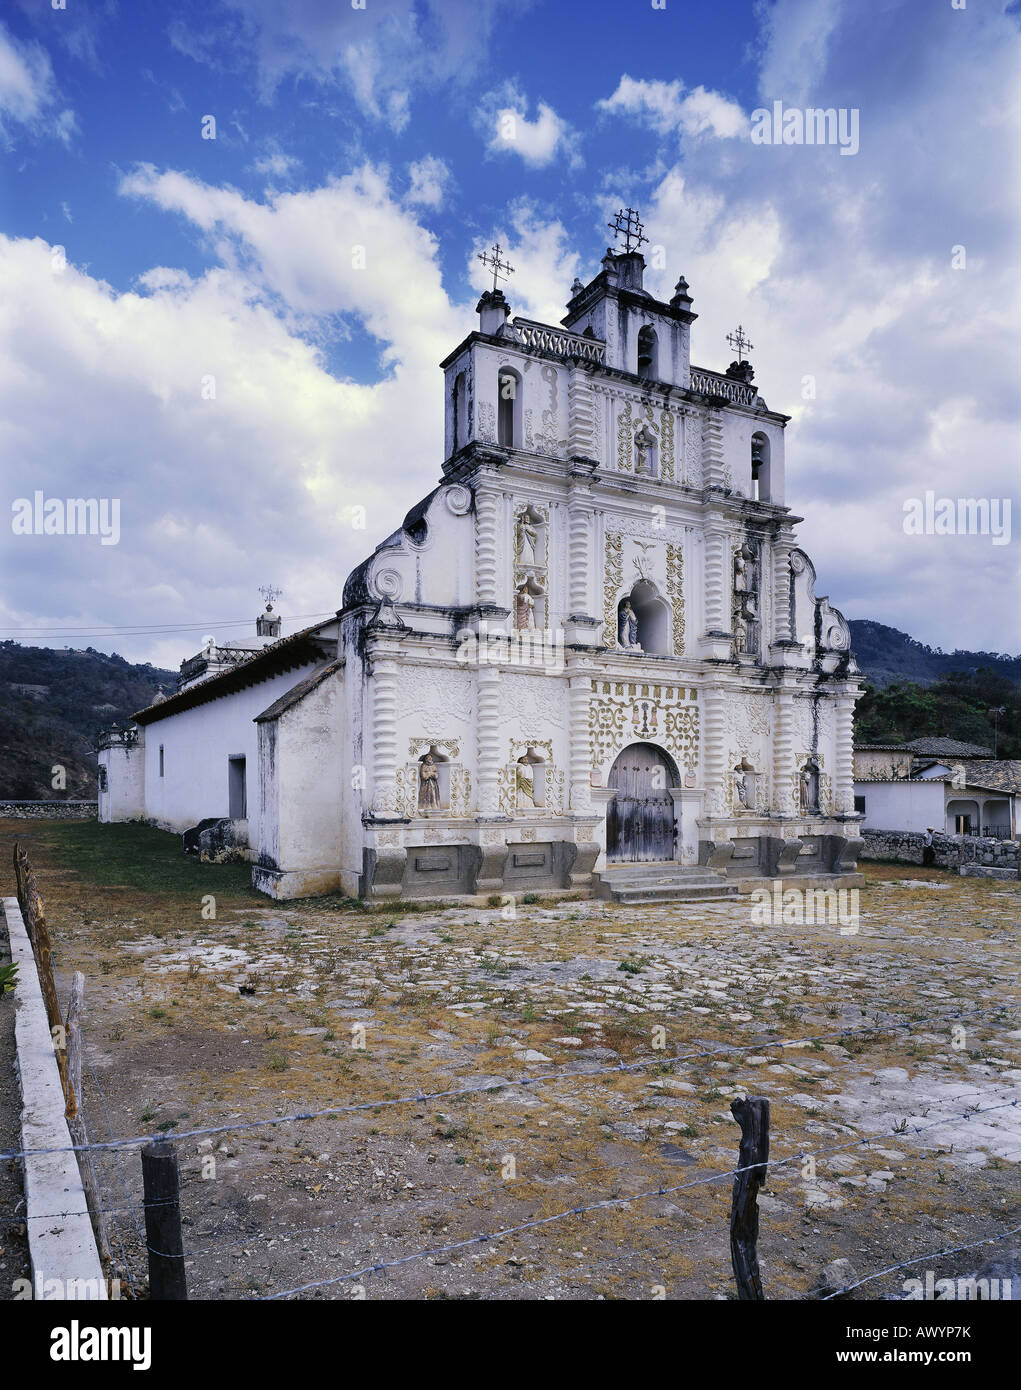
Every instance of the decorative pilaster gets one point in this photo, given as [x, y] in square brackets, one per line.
[581, 747]
[488, 739]
[843, 768]
[487, 547]
[783, 756]
[714, 752]
[579, 569]
[383, 694]
[782, 593]
[715, 472]
[717, 584]
[581, 438]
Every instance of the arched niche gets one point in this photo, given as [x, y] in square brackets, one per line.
[433, 781]
[745, 789]
[508, 408]
[530, 781]
[808, 786]
[460, 412]
[648, 630]
[648, 353]
[761, 491]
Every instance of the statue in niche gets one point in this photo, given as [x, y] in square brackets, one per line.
[808, 783]
[627, 628]
[528, 535]
[525, 779]
[741, 788]
[740, 572]
[643, 451]
[524, 607]
[428, 784]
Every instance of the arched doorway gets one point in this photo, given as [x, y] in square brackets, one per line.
[640, 817]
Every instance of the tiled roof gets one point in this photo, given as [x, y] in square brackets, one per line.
[947, 748]
[285, 654]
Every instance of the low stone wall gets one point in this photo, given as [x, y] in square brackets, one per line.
[49, 810]
[969, 854]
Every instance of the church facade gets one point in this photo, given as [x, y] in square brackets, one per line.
[593, 651]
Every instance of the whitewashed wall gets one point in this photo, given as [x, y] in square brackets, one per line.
[901, 805]
[197, 743]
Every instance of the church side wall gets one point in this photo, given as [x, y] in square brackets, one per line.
[300, 832]
[196, 745]
[124, 797]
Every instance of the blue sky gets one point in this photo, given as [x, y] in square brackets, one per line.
[190, 258]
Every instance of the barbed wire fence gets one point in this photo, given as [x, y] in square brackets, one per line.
[121, 1213]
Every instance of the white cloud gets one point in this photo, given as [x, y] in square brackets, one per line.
[502, 116]
[382, 53]
[28, 91]
[429, 180]
[544, 264]
[277, 164]
[840, 270]
[664, 108]
[104, 398]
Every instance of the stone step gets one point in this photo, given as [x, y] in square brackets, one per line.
[636, 896]
[662, 883]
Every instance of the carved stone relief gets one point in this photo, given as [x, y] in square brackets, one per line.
[621, 711]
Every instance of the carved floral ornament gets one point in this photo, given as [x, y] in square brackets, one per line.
[620, 712]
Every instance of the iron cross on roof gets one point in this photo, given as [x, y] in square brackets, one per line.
[739, 342]
[627, 225]
[502, 270]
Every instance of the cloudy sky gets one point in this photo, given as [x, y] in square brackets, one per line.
[192, 266]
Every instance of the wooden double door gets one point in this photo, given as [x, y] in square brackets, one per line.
[640, 817]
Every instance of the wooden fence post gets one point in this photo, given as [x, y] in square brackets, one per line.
[161, 1188]
[73, 1111]
[38, 934]
[753, 1117]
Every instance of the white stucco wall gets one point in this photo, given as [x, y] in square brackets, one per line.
[124, 798]
[301, 792]
[197, 743]
[910, 806]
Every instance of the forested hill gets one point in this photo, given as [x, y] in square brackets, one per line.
[886, 655]
[53, 705]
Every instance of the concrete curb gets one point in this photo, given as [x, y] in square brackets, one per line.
[65, 1261]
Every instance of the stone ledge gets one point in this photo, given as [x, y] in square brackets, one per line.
[63, 1253]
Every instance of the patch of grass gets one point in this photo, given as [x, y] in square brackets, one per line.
[633, 965]
[131, 855]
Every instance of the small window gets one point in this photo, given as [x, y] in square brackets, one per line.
[460, 412]
[237, 791]
[647, 365]
[508, 408]
[102, 779]
[859, 805]
[760, 467]
[161, 759]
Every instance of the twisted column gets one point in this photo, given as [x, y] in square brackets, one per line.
[579, 553]
[580, 690]
[488, 740]
[487, 545]
[782, 592]
[714, 751]
[783, 757]
[717, 616]
[580, 408]
[384, 736]
[843, 767]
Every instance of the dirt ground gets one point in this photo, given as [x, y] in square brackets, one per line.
[268, 1009]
